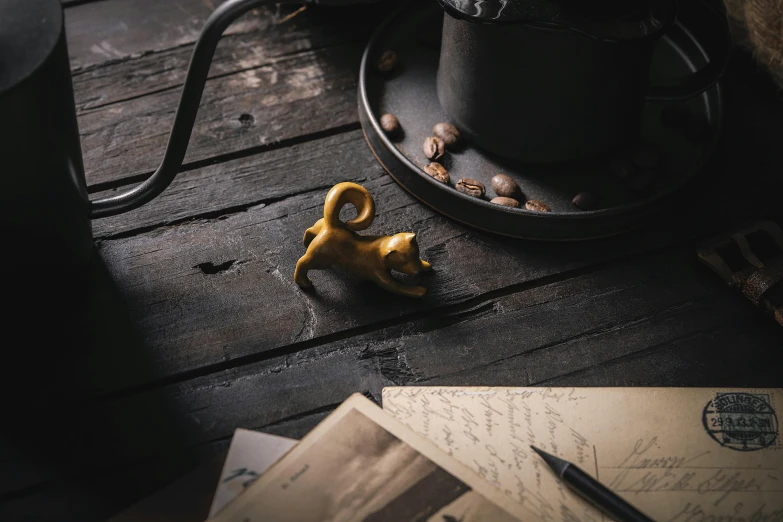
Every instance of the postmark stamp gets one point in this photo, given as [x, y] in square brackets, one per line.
[741, 421]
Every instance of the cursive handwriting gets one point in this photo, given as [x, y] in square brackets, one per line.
[581, 445]
[491, 430]
[739, 513]
[489, 413]
[469, 423]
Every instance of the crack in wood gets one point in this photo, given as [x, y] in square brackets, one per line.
[209, 268]
[276, 60]
[207, 216]
[623, 325]
[346, 334]
[73, 3]
[635, 355]
[230, 156]
[390, 362]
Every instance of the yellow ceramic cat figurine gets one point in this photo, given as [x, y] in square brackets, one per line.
[332, 242]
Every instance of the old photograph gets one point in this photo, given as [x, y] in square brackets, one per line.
[355, 470]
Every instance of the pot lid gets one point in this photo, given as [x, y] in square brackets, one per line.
[610, 20]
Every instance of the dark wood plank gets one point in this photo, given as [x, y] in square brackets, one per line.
[263, 244]
[112, 30]
[630, 323]
[72, 3]
[752, 130]
[601, 319]
[273, 78]
[188, 318]
[255, 51]
[234, 186]
[306, 93]
[86, 495]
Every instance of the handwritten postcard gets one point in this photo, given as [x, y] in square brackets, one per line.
[360, 464]
[249, 456]
[677, 454]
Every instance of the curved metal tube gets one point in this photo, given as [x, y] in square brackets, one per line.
[187, 109]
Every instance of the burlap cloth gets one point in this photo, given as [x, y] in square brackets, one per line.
[758, 26]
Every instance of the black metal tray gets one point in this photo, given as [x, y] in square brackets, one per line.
[409, 93]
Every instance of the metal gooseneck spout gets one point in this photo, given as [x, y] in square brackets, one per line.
[187, 109]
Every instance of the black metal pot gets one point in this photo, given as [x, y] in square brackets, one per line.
[558, 80]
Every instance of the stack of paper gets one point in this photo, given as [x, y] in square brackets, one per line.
[462, 454]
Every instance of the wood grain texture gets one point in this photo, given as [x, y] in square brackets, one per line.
[194, 326]
[112, 30]
[542, 335]
[269, 40]
[234, 186]
[307, 93]
[273, 78]
[190, 315]
[628, 324]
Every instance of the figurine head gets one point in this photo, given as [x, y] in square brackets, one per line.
[401, 253]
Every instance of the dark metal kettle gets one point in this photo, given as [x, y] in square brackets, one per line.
[556, 80]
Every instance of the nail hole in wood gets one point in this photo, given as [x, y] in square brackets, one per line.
[210, 269]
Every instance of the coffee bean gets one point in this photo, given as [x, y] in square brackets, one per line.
[504, 186]
[390, 124]
[506, 202]
[433, 148]
[538, 206]
[644, 156]
[437, 171]
[471, 187]
[621, 167]
[641, 180]
[584, 200]
[447, 132]
[674, 116]
[387, 62]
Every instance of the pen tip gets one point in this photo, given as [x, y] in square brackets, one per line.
[558, 465]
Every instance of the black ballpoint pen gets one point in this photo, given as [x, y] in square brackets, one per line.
[592, 490]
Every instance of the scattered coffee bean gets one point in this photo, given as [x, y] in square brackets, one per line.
[538, 206]
[506, 202]
[644, 156]
[674, 116]
[584, 200]
[697, 128]
[437, 171]
[504, 186]
[621, 167]
[641, 180]
[387, 62]
[471, 187]
[390, 124]
[447, 132]
[433, 148]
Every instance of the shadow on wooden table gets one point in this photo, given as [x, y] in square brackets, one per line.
[61, 332]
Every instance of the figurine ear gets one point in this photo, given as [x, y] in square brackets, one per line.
[398, 243]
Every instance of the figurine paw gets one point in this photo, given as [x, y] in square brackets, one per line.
[305, 283]
[416, 291]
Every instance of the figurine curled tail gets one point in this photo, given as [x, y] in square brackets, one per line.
[332, 242]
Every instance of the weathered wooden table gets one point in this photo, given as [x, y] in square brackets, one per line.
[190, 324]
